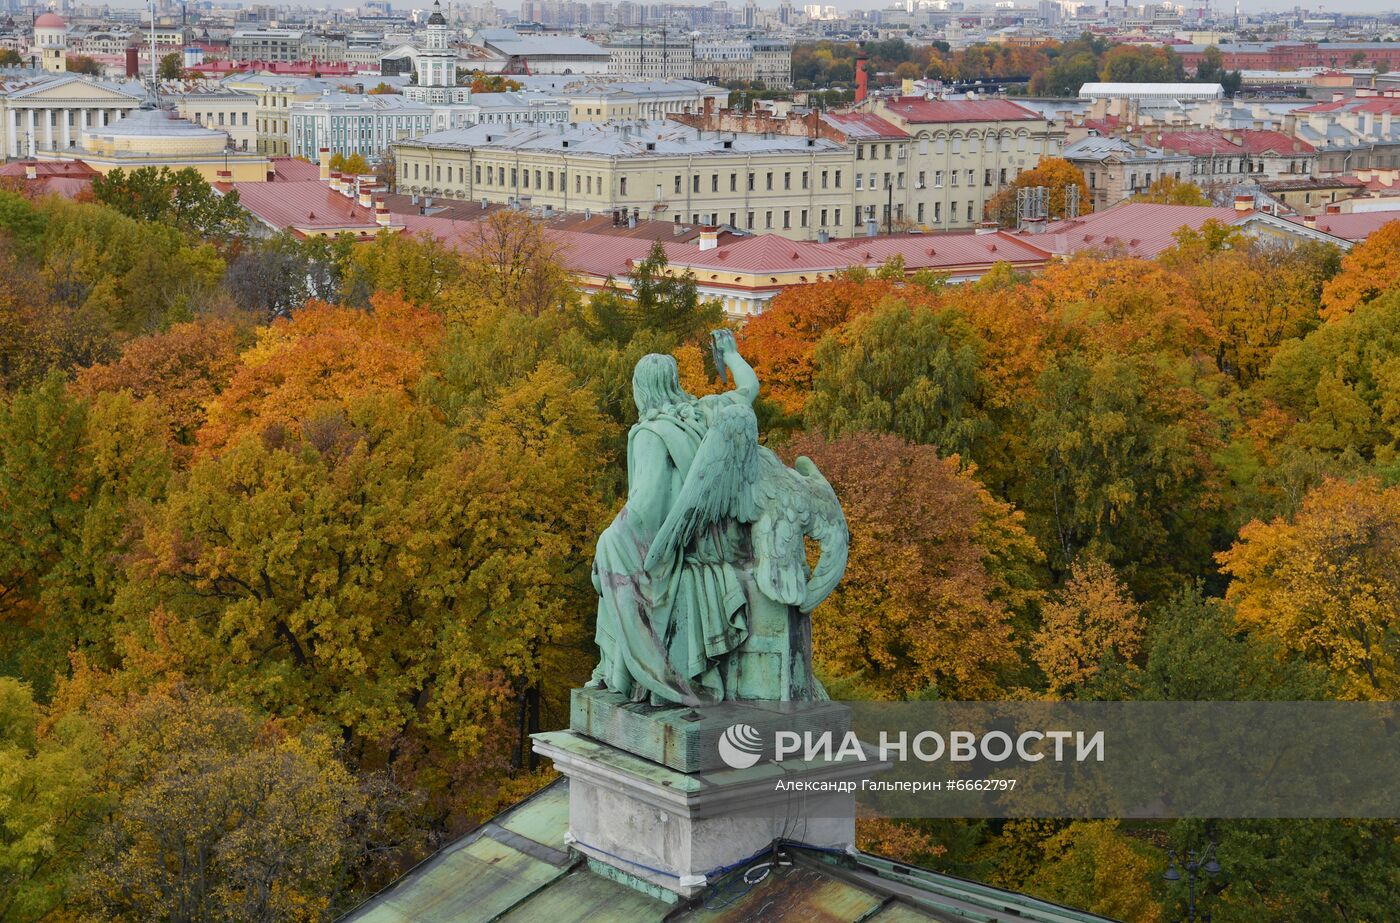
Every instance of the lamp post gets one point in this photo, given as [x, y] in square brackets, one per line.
[1195, 866]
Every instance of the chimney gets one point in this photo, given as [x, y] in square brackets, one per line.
[1310, 221]
[862, 79]
[709, 109]
[1244, 203]
[225, 176]
[365, 199]
[335, 180]
[381, 212]
[709, 237]
[324, 158]
[133, 62]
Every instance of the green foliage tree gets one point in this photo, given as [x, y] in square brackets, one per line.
[659, 301]
[171, 66]
[178, 197]
[912, 372]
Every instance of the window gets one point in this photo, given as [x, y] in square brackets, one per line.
[525, 176]
[714, 183]
[678, 184]
[969, 211]
[987, 178]
[770, 181]
[938, 179]
[578, 184]
[750, 221]
[478, 173]
[971, 178]
[919, 212]
[804, 179]
[823, 217]
[836, 217]
[550, 175]
[838, 179]
[1002, 175]
[537, 179]
[732, 222]
[899, 181]
[860, 152]
[937, 212]
[515, 178]
[787, 180]
[768, 220]
[860, 180]
[734, 182]
[622, 186]
[887, 151]
[804, 217]
[919, 184]
[787, 219]
[751, 176]
[824, 185]
[953, 210]
[952, 178]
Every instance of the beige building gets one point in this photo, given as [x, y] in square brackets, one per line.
[276, 95]
[796, 187]
[629, 101]
[158, 138]
[221, 108]
[962, 152]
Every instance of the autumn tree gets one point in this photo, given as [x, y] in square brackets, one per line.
[274, 276]
[1057, 176]
[1370, 269]
[182, 369]
[419, 268]
[73, 476]
[217, 815]
[1093, 619]
[940, 573]
[912, 372]
[1338, 383]
[171, 66]
[509, 261]
[322, 359]
[48, 799]
[1141, 64]
[1325, 583]
[781, 343]
[354, 164]
[1094, 866]
[1168, 190]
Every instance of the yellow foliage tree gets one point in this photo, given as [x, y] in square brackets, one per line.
[1092, 866]
[1092, 618]
[1327, 583]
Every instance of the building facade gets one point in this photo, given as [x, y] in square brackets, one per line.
[52, 112]
[355, 123]
[795, 187]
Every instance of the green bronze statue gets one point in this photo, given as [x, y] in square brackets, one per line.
[703, 581]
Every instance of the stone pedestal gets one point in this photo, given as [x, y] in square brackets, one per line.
[676, 829]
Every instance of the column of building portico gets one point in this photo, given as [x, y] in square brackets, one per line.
[31, 142]
[64, 115]
[12, 124]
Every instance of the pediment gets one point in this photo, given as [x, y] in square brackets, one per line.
[74, 89]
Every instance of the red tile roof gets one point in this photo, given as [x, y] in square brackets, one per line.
[920, 111]
[1136, 228]
[309, 205]
[1370, 104]
[1355, 226]
[294, 169]
[864, 126]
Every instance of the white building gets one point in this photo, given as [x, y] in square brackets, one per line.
[53, 111]
[1153, 92]
[356, 123]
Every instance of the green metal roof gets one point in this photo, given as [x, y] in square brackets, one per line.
[518, 869]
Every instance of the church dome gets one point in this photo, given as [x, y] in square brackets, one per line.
[50, 21]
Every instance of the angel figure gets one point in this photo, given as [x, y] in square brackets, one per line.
[702, 578]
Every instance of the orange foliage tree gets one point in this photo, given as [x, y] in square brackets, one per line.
[1093, 618]
[939, 572]
[1369, 270]
[323, 358]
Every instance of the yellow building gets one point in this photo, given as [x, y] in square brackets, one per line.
[51, 41]
[152, 137]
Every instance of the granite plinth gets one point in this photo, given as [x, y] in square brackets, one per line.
[687, 739]
[679, 830]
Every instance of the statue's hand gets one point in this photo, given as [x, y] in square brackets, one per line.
[723, 341]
